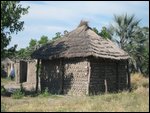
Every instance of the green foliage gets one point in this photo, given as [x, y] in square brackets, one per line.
[96, 31]
[104, 33]
[133, 39]
[124, 28]
[11, 12]
[3, 90]
[45, 93]
[22, 54]
[22, 89]
[19, 93]
[58, 35]
[43, 40]
[139, 51]
[32, 43]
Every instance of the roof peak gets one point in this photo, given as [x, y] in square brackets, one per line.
[83, 23]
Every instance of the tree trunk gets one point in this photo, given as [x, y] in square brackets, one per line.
[37, 72]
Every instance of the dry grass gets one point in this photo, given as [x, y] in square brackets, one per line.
[138, 80]
[137, 100]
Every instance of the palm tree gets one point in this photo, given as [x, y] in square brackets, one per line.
[124, 28]
[132, 39]
[138, 49]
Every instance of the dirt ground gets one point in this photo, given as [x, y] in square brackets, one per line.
[12, 86]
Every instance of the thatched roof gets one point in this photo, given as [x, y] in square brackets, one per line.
[6, 61]
[81, 42]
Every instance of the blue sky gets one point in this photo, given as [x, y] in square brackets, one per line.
[49, 17]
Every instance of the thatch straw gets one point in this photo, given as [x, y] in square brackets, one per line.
[81, 42]
[83, 23]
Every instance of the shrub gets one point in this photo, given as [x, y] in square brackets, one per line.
[22, 88]
[18, 94]
[45, 93]
[3, 90]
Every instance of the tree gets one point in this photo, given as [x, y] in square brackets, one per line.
[43, 40]
[124, 28]
[58, 35]
[21, 54]
[134, 40]
[95, 30]
[105, 33]
[138, 48]
[32, 43]
[11, 12]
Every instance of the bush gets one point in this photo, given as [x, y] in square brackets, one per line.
[3, 90]
[18, 94]
[45, 93]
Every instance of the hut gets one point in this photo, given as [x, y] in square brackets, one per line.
[82, 63]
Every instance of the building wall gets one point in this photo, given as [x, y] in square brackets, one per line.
[75, 76]
[68, 76]
[51, 76]
[17, 71]
[97, 76]
[105, 72]
[31, 72]
[122, 72]
[25, 71]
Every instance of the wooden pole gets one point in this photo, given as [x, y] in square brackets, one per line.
[89, 75]
[129, 79]
[105, 82]
[37, 72]
[105, 78]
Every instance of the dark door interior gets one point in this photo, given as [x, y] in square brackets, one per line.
[23, 71]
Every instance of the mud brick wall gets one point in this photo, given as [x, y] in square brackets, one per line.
[25, 71]
[20, 71]
[75, 76]
[31, 72]
[111, 75]
[109, 70]
[122, 72]
[97, 76]
[51, 76]
[17, 72]
[70, 76]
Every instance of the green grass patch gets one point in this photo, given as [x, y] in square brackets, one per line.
[18, 94]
